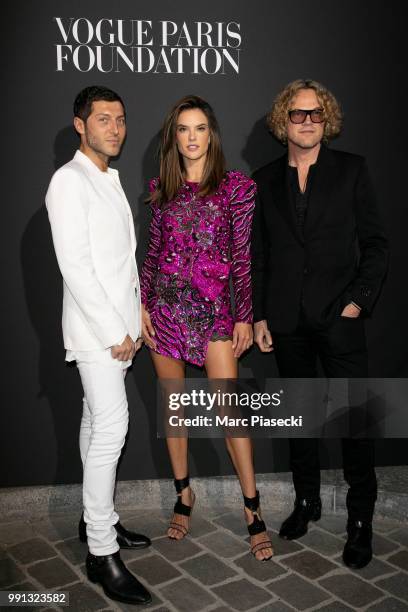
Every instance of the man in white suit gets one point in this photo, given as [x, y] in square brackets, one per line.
[94, 240]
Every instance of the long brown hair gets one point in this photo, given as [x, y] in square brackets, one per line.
[171, 162]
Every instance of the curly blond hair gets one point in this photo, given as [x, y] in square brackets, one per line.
[278, 118]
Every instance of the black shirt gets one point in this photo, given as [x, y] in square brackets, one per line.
[300, 198]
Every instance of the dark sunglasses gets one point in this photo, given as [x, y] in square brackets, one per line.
[297, 115]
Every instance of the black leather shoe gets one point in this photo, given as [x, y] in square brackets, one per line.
[357, 552]
[295, 526]
[118, 583]
[126, 539]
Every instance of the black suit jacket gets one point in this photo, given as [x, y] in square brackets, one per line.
[341, 256]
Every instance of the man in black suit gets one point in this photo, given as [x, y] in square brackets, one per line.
[319, 260]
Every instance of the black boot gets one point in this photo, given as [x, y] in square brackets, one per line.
[295, 526]
[116, 580]
[357, 552]
[126, 539]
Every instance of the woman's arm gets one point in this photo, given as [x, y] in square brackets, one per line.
[149, 267]
[242, 207]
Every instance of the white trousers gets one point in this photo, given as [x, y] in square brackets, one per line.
[102, 435]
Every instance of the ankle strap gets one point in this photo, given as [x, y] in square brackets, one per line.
[252, 503]
[181, 484]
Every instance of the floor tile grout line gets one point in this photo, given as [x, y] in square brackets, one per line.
[337, 571]
[184, 574]
[24, 568]
[343, 571]
[239, 570]
[209, 588]
[394, 570]
[230, 562]
[202, 586]
[336, 599]
[83, 580]
[390, 594]
[76, 570]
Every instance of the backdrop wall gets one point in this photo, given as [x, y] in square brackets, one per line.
[238, 55]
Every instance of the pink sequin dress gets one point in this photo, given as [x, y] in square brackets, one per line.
[195, 244]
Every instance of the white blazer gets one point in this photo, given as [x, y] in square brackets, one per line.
[94, 240]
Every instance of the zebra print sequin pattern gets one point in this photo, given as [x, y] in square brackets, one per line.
[196, 245]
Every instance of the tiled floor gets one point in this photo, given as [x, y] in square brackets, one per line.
[212, 569]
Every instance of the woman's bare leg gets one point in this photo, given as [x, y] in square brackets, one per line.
[167, 367]
[221, 363]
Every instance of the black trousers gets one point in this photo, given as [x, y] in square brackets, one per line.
[342, 351]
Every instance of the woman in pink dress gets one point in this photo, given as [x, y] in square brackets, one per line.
[199, 237]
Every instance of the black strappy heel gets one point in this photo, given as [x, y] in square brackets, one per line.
[258, 525]
[180, 508]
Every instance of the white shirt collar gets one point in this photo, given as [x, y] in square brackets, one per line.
[86, 161]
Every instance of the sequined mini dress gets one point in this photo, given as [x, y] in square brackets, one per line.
[197, 243]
